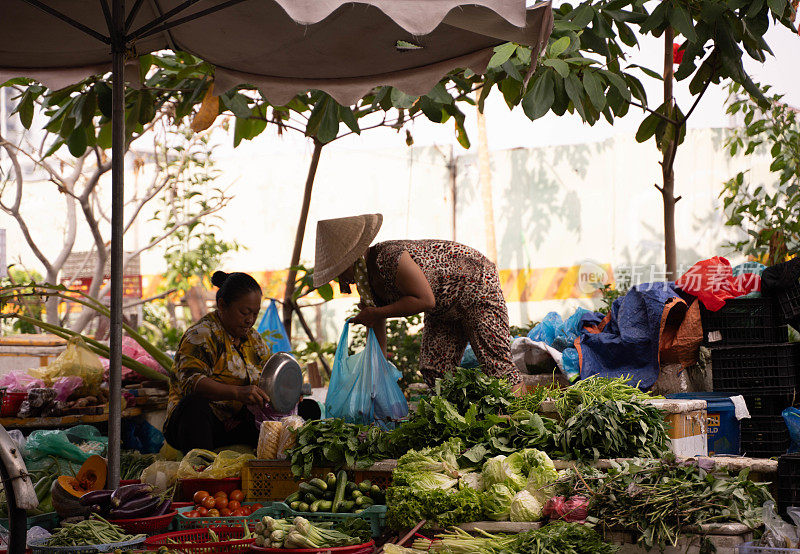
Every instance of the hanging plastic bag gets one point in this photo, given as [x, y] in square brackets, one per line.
[204, 464]
[75, 360]
[272, 325]
[363, 387]
[162, 474]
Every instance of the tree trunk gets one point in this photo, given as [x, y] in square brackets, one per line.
[485, 170]
[298, 240]
[669, 150]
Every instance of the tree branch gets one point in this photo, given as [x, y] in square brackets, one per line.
[661, 115]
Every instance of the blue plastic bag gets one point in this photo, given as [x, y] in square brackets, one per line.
[271, 322]
[792, 418]
[469, 360]
[363, 387]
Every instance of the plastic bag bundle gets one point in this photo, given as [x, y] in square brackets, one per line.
[204, 464]
[363, 387]
[268, 438]
[288, 438]
[18, 380]
[75, 444]
[161, 474]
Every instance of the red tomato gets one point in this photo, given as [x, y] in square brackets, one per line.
[246, 510]
[236, 495]
[234, 505]
[213, 512]
[209, 502]
[256, 506]
[202, 511]
[225, 512]
[190, 513]
[221, 494]
[199, 496]
[237, 513]
[222, 502]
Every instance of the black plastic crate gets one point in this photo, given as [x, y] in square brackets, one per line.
[788, 482]
[750, 369]
[764, 436]
[744, 321]
[770, 403]
[789, 302]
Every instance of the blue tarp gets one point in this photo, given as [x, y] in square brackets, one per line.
[628, 343]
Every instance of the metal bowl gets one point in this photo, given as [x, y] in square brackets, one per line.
[282, 380]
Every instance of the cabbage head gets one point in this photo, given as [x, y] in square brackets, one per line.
[472, 480]
[429, 480]
[541, 474]
[525, 507]
[497, 502]
[498, 471]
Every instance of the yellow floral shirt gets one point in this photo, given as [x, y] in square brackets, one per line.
[207, 350]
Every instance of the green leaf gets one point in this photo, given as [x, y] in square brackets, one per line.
[104, 136]
[679, 18]
[103, 92]
[647, 71]
[238, 105]
[326, 292]
[25, 110]
[559, 65]
[539, 98]
[595, 90]
[574, 90]
[777, 6]
[401, 100]
[559, 46]
[648, 128]
[618, 83]
[501, 54]
[346, 115]
[582, 16]
[77, 142]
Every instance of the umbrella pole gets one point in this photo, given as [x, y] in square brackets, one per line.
[117, 190]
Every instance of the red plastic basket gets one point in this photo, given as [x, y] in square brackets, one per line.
[366, 548]
[211, 486]
[199, 541]
[123, 482]
[11, 403]
[149, 525]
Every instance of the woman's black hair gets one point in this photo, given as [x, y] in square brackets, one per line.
[233, 286]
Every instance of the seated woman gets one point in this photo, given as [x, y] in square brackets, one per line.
[217, 367]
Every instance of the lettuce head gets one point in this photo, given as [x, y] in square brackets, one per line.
[497, 502]
[501, 471]
[525, 507]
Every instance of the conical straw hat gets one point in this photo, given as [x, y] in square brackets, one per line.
[340, 242]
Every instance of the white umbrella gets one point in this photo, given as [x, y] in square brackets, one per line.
[280, 46]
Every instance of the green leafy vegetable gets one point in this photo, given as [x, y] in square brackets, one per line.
[525, 507]
[497, 502]
[465, 388]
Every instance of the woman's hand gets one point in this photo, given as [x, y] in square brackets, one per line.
[368, 316]
[251, 395]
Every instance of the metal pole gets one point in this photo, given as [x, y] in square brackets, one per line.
[117, 190]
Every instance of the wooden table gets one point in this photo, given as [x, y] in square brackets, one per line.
[32, 423]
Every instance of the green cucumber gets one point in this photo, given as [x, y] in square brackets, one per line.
[364, 501]
[356, 494]
[306, 488]
[310, 498]
[315, 506]
[325, 505]
[328, 495]
[338, 497]
[375, 489]
[331, 480]
[292, 497]
[350, 487]
[319, 483]
[365, 486]
[346, 506]
[303, 507]
[295, 505]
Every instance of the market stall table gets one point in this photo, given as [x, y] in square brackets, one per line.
[64, 422]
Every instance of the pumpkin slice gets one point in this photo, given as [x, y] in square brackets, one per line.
[91, 477]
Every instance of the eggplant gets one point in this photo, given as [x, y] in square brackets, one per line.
[136, 502]
[163, 508]
[96, 497]
[142, 510]
[127, 492]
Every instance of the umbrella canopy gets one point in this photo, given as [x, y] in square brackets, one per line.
[280, 46]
